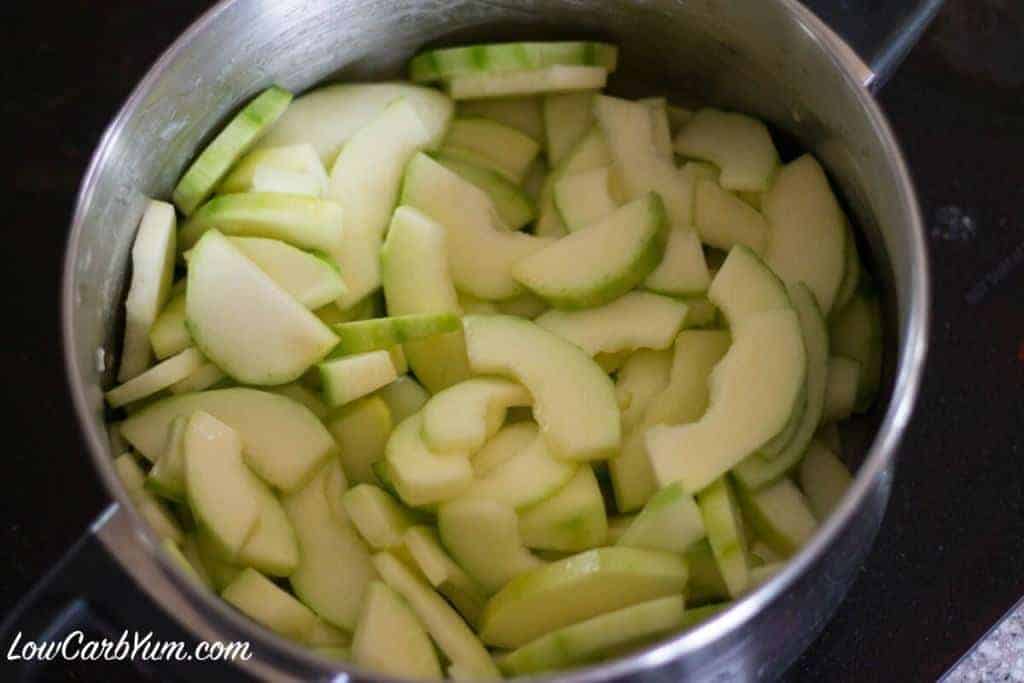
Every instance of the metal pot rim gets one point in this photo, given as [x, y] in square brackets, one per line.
[910, 363]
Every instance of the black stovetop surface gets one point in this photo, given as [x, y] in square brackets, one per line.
[949, 559]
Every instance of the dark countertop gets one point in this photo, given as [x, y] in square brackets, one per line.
[948, 561]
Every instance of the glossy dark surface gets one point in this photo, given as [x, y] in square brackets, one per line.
[949, 558]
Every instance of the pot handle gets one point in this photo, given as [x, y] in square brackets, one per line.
[880, 31]
[88, 591]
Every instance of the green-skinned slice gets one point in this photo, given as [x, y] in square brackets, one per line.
[592, 639]
[599, 264]
[578, 588]
[446, 63]
[761, 469]
[572, 520]
[238, 136]
[553, 79]
[303, 222]
[383, 333]
[514, 206]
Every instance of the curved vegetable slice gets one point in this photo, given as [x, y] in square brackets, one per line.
[492, 145]
[670, 521]
[685, 399]
[756, 387]
[390, 640]
[421, 476]
[464, 416]
[507, 443]
[739, 145]
[808, 234]
[263, 601]
[458, 642]
[222, 493]
[584, 199]
[272, 548]
[152, 272]
[555, 79]
[572, 520]
[514, 206]
[159, 377]
[365, 182]
[483, 537]
[481, 252]
[244, 322]
[304, 222]
[282, 440]
[495, 58]
[310, 279]
[525, 479]
[596, 265]
[637, 320]
[578, 588]
[754, 391]
[573, 400]
[724, 220]
[630, 132]
[416, 277]
[595, 638]
[231, 143]
[334, 568]
[760, 469]
[328, 117]
[683, 271]
[300, 160]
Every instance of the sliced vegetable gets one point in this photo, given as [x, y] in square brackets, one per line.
[365, 181]
[282, 440]
[573, 400]
[739, 145]
[808, 233]
[490, 144]
[262, 337]
[481, 252]
[328, 117]
[571, 520]
[499, 58]
[601, 263]
[464, 416]
[483, 537]
[637, 320]
[417, 279]
[361, 429]
[231, 143]
[334, 564]
[683, 270]
[152, 272]
[555, 79]
[311, 279]
[578, 588]
[389, 639]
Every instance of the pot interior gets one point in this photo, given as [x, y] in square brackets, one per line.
[752, 56]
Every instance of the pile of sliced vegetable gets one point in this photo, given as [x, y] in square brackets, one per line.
[504, 378]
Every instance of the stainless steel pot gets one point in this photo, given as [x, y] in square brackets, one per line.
[769, 57]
